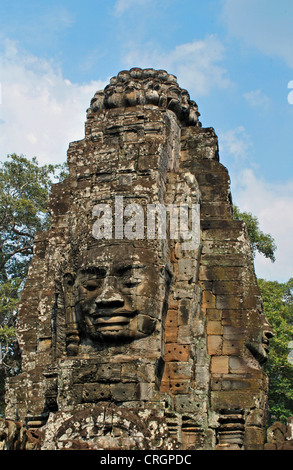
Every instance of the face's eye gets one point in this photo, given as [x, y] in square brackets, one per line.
[93, 285]
[92, 278]
[129, 275]
[131, 282]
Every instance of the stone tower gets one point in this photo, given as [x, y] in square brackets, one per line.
[137, 334]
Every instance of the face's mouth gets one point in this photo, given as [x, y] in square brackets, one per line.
[266, 345]
[109, 320]
[111, 323]
[259, 349]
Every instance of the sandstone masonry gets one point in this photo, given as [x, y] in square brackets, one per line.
[139, 344]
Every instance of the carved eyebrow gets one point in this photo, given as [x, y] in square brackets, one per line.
[122, 269]
[96, 271]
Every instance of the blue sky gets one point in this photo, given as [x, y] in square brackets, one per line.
[235, 57]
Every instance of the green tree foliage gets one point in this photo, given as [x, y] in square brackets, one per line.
[24, 190]
[278, 305]
[260, 242]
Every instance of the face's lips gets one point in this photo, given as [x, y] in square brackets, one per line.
[110, 312]
[111, 320]
[266, 344]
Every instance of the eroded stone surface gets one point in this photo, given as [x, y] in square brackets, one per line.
[135, 342]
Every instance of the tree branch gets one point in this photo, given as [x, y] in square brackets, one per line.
[19, 250]
[18, 232]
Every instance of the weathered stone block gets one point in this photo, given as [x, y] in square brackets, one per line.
[172, 319]
[214, 327]
[124, 392]
[176, 352]
[179, 370]
[184, 311]
[214, 314]
[237, 365]
[220, 364]
[215, 345]
[208, 300]
[179, 386]
[171, 334]
[94, 392]
[232, 346]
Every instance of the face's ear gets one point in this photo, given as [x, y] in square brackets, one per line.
[68, 281]
[72, 335]
[167, 275]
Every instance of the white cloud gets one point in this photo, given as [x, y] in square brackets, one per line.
[272, 204]
[122, 5]
[235, 142]
[265, 25]
[258, 99]
[197, 65]
[41, 111]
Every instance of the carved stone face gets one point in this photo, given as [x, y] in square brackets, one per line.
[117, 298]
[260, 333]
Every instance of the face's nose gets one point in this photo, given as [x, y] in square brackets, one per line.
[268, 333]
[267, 330]
[110, 298]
